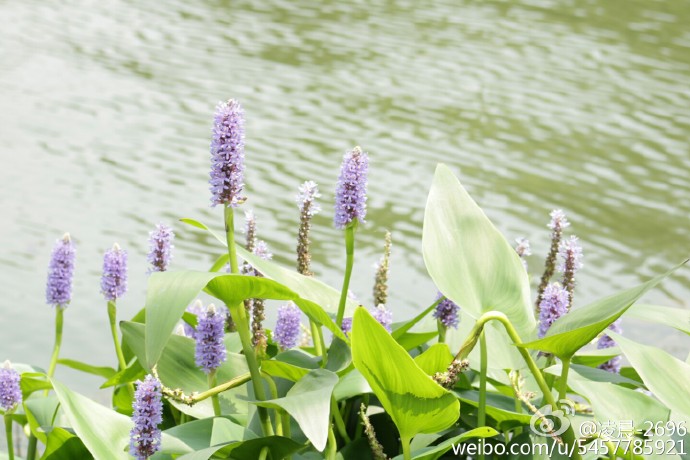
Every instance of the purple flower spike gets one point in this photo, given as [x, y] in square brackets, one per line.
[60, 273]
[558, 221]
[160, 247]
[554, 304]
[447, 312]
[145, 436]
[570, 253]
[10, 392]
[557, 224]
[614, 364]
[227, 155]
[346, 326]
[351, 192]
[114, 279]
[249, 229]
[287, 331]
[308, 193]
[210, 347]
[384, 316]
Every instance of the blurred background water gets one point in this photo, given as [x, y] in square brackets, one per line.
[536, 104]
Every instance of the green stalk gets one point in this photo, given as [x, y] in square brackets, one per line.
[350, 250]
[8, 434]
[214, 399]
[441, 332]
[239, 315]
[31, 450]
[112, 315]
[339, 423]
[59, 319]
[274, 395]
[407, 455]
[264, 453]
[317, 337]
[563, 383]
[481, 415]
[466, 348]
[332, 446]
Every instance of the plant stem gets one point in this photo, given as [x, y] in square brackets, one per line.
[350, 251]
[8, 434]
[264, 453]
[481, 415]
[406, 448]
[214, 399]
[59, 316]
[339, 423]
[274, 394]
[112, 315]
[239, 315]
[441, 332]
[317, 337]
[563, 383]
[332, 446]
[31, 450]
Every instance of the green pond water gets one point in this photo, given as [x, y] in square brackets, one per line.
[536, 104]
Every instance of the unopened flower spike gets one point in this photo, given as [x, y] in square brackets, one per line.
[614, 364]
[384, 316]
[523, 250]
[227, 155]
[308, 193]
[61, 272]
[249, 230]
[351, 191]
[558, 223]
[382, 269]
[554, 304]
[10, 391]
[114, 279]
[209, 334]
[160, 248]
[446, 312]
[145, 436]
[287, 331]
[570, 253]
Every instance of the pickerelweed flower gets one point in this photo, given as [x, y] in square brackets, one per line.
[10, 391]
[570, 253]
[384, 316]
[197, 308]
[227, 154]
[160, 248]
[114, 279]
[382, 269]
[60, 273]
[351, 192]
[287, 331]
[346, 327]
[614, 364]
[209, 334]
[308, 193]
[447, 312]
[558, 223]
[145, 436]
[249, 230]
[523, 250]
[554, 304]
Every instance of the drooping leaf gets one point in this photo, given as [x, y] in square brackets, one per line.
[352, 384]
[102, 371]
[677, 318]
[414, 401]
[437, 451]
[435, 359]
[308, 402]
[668, 378]
[580, 326]
[104, 432]
[169, 293]
[469, 260]
[33, 381]
[40, 413]
[132, 373]
[63, 445]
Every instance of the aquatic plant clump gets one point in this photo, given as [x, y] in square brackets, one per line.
[61, 272]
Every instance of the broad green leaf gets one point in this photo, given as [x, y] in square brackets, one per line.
[406, 326]
[33, 381]
[435, 359]
[469, 260]
[614, 403]
[410, 340]
[594, 358]
[169, 293]
[283, 370]
[63, 445]
[132, 373]
[177, 369]
[580, 326]
[414, 401]
[279, 446]
[499, 407]
[40, 413]
[437, 451]
[101, 371]
[200, 434]
[308, 402]
[351, 384]
[677, 318]
[103, 431]
[668, 378]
